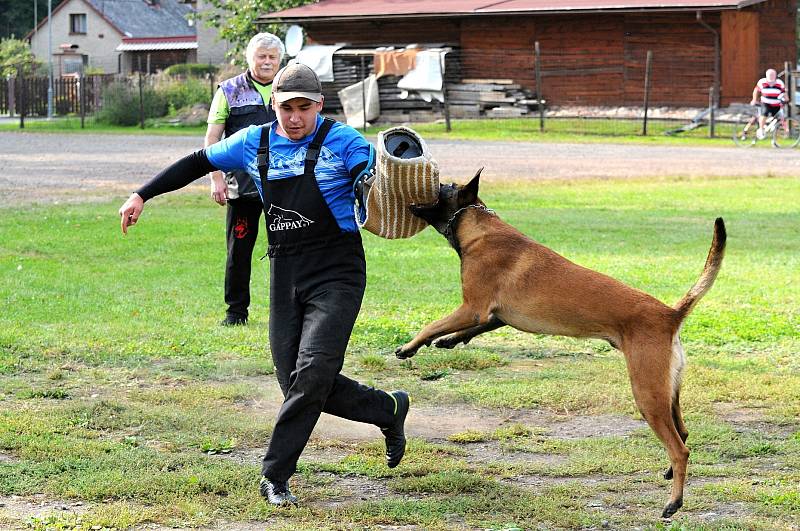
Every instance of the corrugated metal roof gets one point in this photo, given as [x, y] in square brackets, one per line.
[136, 44]
[155, 46]
[139, 18]
[352, 9]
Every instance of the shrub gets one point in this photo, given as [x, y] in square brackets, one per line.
[121, 104]
[190, 69]
[185, 93]
[64, 105]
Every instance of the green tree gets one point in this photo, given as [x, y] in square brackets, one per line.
[236, 21]
[16, 56]
[16, 16]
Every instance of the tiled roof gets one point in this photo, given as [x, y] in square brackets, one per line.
[146, 18]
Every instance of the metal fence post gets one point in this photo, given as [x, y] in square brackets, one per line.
[211, 85]
[141, 101]
[97, 86]
[537, 66]
[12, 96]
[81, 97]
[22, 100]
[647, 69]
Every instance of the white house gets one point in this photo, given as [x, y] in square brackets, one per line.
[123, 36]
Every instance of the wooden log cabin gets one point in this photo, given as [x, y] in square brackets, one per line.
[593, 51]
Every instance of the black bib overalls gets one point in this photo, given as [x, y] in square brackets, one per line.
[317, 281]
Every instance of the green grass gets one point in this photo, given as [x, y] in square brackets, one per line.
[510, 129]
[72, 124]
[573, 130]
[119, 389]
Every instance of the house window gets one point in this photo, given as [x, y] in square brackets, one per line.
[77, 23]
[73, 64]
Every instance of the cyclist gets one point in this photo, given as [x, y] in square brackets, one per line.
[773, 95]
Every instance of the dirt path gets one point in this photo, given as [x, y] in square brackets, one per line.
[71, 167]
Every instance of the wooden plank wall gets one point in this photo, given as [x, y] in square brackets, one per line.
[777, 32]
[597, 59]
[740, 55]
[590, 59]
[395, 33]
[581, 55]
[683, 58]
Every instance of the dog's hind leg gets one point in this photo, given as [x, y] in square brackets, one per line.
[464, 317]
[652, 384]
[677, 365]
[677, 418]
[465, 336]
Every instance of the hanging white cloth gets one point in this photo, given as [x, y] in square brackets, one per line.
[426, 76]
[319, 58]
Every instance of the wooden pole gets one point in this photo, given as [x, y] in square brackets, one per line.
[444, 93]
[647, 68]
[537, 66]
[787, 81]
[363, 94]
[711, 119]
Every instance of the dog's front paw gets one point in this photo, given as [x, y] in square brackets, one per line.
[446, 342]
[405, 352]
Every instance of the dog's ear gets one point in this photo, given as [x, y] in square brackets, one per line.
[469, 193]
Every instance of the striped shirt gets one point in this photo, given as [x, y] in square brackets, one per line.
[771, 92]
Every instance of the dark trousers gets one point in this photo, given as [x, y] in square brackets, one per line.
[242, 231]
[315, 298]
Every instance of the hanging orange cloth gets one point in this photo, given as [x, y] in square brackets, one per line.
[394, 62]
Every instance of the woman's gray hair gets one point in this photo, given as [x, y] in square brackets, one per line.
[263, 40]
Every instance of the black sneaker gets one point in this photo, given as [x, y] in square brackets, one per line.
[233, 320]
[276, 492]
[395, 434]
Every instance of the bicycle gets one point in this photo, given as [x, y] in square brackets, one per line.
[783, 132]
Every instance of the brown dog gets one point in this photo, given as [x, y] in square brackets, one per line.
[509, 279]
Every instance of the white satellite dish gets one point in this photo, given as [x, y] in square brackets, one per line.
[294, 40]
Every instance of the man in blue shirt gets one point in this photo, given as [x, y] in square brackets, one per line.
[304, 167]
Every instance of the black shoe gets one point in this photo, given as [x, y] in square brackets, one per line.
[395, 434]
[276, 492]
[233, 320]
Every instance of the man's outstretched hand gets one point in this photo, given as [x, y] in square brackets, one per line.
[130, 211]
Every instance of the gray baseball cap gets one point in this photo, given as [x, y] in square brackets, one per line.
[296, 81]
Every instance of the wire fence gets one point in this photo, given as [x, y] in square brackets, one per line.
[625, 92]
[116, 99]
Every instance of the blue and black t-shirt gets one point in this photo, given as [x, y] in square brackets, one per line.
[343, 151]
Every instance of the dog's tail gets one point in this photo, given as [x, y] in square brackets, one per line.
[706, 280]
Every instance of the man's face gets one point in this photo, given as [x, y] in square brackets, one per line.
[297, 117]
[264, 64]
[772, 75]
